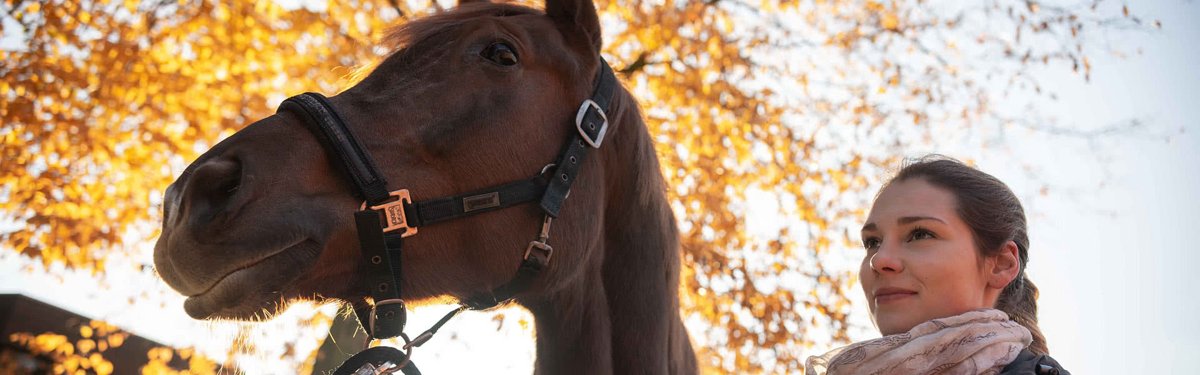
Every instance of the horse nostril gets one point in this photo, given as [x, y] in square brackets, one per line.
[211, 187]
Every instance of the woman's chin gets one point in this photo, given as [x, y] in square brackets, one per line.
[894, 323]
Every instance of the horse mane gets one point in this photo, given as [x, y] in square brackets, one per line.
[650, 186]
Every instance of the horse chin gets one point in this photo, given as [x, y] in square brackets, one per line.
[266, 309]
[256, 292]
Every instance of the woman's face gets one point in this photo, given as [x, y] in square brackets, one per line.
[921, 262]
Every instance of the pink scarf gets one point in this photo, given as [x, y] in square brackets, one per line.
[976, 342]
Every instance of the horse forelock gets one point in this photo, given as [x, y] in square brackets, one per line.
[399, 38]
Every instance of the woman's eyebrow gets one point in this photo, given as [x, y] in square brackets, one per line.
[869, 227]
[902, 221]
[913, 219]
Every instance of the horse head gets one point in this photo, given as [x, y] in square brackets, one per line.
[479, 96]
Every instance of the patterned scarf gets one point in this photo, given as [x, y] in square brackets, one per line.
[976, 342]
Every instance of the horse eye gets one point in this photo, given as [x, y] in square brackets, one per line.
[500, 53]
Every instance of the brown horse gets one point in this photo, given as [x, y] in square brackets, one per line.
[478, 96]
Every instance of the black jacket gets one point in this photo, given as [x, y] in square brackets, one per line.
[1028, 363]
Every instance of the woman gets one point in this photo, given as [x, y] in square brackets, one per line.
[944, 275]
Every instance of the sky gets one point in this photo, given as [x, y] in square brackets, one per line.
[1110, 245]
[1116, 277]
[1109, 223]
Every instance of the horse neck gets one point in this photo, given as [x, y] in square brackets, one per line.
[623, 317]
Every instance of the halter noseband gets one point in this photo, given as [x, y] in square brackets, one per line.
[382, 242]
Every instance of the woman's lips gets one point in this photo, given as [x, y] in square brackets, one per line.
[889, 295]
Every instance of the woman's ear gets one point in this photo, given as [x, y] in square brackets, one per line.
[1004, 267]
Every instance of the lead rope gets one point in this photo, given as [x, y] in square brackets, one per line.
[541, 243]
[408, 347]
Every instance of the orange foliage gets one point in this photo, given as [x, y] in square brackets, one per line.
[86, 355]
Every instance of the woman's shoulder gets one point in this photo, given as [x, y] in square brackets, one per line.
[1028, 363]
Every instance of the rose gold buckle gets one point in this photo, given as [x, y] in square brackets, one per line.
[544, 247]
[393, 213]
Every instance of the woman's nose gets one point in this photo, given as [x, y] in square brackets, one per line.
[887, 259]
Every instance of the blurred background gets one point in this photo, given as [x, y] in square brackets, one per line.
[776, 123]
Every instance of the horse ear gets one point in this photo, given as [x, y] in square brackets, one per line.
[578, 22]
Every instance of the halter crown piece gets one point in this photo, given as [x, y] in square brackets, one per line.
[386, 218]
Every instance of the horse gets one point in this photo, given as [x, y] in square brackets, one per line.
[476, 96]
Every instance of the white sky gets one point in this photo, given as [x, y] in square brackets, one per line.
[1110, 243]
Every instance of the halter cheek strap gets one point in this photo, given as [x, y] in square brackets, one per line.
[591, 125]
[323, 121]
[386, 218]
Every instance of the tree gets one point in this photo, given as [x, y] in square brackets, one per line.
[801, 105]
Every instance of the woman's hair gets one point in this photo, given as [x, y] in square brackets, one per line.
[995, 216]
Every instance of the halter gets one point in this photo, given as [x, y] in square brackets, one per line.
[383, 241]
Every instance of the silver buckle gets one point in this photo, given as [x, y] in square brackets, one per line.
[583, 108]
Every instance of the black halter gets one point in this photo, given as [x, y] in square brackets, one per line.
[382, 242]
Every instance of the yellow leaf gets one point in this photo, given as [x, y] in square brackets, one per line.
[116, 339]
[85, 346]
[889, 21]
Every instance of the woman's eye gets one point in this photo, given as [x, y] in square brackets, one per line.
[500, 53]
[920, 234]
[871, 243]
